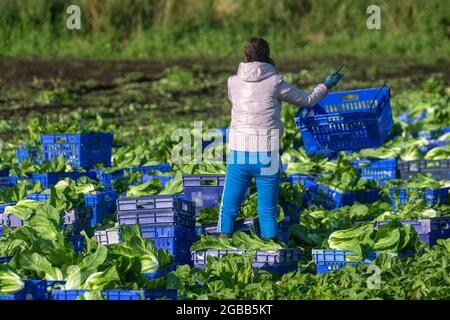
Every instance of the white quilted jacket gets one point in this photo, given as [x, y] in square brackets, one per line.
[256, 92]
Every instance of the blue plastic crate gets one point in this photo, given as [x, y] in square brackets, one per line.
[103, 203]
[330, 260]
[346, 121]
[28, 154]
[38, 196]
[378, 170]
[1, 231]
[407, 118]
[293, 211]
[78, 219]
[434, 144]
[203, 190]
[206, 144]
[439, 169]
[224, 132]
[78, 243]
[160, 273]
[329, 199]
[432, 134]
[5, 259]
[58, 294]
[163, 179]
[33, 290]
[431, 196]
[50, 179]
[179, 248]
[4, 205]
[4, 183]
[163, 167]
[83, 150]
[107, 178]
[10, 181]
[52, 285]
[4, 172]
[295, 178]
[280, 261]
[156, 210]
[429, 230]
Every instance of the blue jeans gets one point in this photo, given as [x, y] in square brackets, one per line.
[241, 168]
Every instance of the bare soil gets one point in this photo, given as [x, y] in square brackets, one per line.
[17, 72]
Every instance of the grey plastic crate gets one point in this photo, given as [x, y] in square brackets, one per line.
[106, 236]
[439, 169]
[10, 220]
[156, 210]
[280, 261]
[156, 202]
[78, 218]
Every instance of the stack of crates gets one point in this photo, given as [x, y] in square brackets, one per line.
[168, 220]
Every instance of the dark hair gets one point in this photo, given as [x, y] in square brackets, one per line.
[257, 49]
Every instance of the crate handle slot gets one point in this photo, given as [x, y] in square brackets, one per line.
[61, 140]
[363, 164]
[443, 225]
[432, 164]
[209, 182]
[350, 97]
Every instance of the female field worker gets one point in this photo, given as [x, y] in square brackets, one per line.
[256, 92]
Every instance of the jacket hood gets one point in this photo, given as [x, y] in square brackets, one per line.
[255, 71]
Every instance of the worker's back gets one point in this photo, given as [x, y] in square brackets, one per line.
[256, 107]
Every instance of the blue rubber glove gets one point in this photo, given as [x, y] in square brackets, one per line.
[332, 79]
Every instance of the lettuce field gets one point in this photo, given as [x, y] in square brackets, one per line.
[113, 148]
[142, 111]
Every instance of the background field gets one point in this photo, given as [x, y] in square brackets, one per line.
[119, 68]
